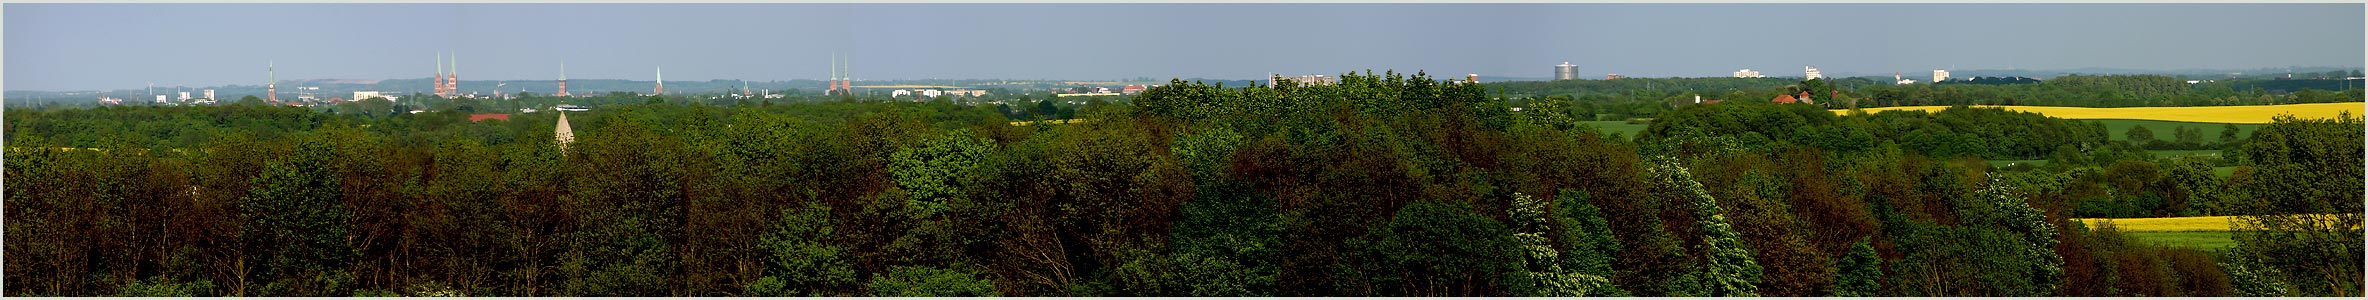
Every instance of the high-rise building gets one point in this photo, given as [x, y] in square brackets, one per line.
[184, 96]
[661, 90]
[209, 94]
[1940, 75]
[272, 89]
[1748, 73]
[1813, 73]
[1566, 71]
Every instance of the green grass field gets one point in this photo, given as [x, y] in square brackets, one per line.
[2199, 240]
[2005, 163]
[2118, 130]
[2222, 171]
[2178, 153]
[1622, 127]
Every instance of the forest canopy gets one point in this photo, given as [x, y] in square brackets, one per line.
[1377, 185]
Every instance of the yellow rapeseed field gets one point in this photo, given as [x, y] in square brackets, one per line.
[2250, 114]
[2219, 223]
[2214, 223]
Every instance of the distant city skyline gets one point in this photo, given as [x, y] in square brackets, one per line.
[59, 47]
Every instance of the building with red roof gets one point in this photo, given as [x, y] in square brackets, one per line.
[482, 117]
[1789, 99]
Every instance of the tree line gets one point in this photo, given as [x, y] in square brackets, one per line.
[1620, 99]
[1380, 184]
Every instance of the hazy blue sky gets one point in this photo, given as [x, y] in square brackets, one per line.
[97, 46]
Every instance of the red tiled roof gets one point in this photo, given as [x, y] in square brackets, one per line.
[1789, 99]
[482, 117]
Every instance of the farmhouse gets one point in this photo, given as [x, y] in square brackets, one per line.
[1789, 99]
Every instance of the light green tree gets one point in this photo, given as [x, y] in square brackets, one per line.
[931, 175]
[804, 262]
[1543, 263]
[1724, 267]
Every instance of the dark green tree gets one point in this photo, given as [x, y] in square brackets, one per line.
[2230, 134]
[2139, 135]
[1432, 248]
[2188, 138]
[2308, 178]
[296, 218]
[1860, 274]
[1589, 247]
[909, 281]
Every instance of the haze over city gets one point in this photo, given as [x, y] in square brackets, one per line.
[104, 46]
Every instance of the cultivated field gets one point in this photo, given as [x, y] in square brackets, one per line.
[2251, 114]
[2188, 232]
[2184, 232]
[2214, 223]
[2200, 240]
[1621, 127]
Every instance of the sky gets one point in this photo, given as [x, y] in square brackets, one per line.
[107, 46]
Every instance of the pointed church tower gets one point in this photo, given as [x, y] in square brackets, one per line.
[563, 78]
[439, 87]
[563, 134]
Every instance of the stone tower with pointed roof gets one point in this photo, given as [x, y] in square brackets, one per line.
[564, 134]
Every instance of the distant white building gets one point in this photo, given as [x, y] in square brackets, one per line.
[210, 94]
[932, 93]
[160, 99]
[1302, 79]
[359, 95]
[1748, 73]
[900, 93]
[184, 96]
[1813, 74]
[1940, 75]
